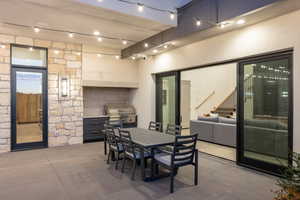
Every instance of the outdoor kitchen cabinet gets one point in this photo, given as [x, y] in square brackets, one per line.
[92, 128]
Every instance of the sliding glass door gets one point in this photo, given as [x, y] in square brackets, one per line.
[167, 98]
[265, 112]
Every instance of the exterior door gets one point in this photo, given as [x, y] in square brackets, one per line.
[167, 98]
[29, 109]
[265, 112]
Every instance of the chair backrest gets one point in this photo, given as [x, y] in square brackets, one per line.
[184, 149]
[127, 143]
[155, 126]
[116, 123]
[110, 136]
[173, 129]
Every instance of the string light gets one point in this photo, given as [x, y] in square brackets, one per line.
[96, 33]
[37, 30]
[172, 15]
[140, 7]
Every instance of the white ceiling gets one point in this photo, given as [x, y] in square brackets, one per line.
[74, 16]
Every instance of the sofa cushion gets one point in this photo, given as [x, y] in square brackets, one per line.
[226, 120]
[210, 119]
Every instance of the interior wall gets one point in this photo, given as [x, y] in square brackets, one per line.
[210, 86]
[272, 35]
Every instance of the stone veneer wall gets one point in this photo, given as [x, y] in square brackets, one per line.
[64, 116]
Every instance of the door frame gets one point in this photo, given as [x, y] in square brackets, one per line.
[158, 118]
[44, 71]
[251, 163]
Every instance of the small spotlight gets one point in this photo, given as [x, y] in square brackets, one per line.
[36, 30]
[96, 33]
[198, 23]
[155, 51]
[117, 57]
[146, 45]
[140, 7]
[124, 42]
[71, 35]
[172, 15]
[240, 22]
[99, 39]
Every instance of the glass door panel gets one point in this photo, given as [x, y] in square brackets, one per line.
[29, 107]
[265, 117]
[29, 97]
[167, 99]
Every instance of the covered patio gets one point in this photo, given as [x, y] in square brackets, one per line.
[80, 172]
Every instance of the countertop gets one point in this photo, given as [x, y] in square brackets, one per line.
[94, 116]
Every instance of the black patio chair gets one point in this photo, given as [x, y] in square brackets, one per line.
[114, 145]
[173, 129]
[184, 153]
[131, 152]
[155, 126]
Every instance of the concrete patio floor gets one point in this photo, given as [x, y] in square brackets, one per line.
[80, 172]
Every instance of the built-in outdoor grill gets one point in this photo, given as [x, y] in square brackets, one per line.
[124, 112]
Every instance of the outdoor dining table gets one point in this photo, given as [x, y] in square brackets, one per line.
[146, 140]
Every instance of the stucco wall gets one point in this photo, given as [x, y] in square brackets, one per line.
[275, 34]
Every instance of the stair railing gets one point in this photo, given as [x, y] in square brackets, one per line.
[205, 100]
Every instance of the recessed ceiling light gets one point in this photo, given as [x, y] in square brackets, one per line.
[2, 46]
[140, 7]
[99, 55]
[241, 21]
[117, 57]
[56, 51]
[155, 51]
[36, 29]
[165, 46]
[124, 42]
[71, 35]
[198, 23]
[99, 0]
[133, 57]
[99, 39]
[96, 33]
[172, 15]
[146, 45]
[30, 49]
[78, 53]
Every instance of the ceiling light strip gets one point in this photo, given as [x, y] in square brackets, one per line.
[66, 31]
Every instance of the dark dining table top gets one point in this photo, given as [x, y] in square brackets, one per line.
[147, 138]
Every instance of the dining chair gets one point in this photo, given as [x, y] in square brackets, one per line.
[116, 123]
[173, 129]
[131, 151]
[184, 153]
[155, 126]
[114, 145]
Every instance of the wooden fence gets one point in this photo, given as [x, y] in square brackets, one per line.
[29, 108]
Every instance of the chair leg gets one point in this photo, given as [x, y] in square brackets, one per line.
[123, 164]
[172, 181]
[196, 168]
[117, 161]
[108, 156]
[133, 170]
[156, 169]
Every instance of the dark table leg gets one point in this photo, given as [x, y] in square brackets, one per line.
[105, 146]
[142, 163]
